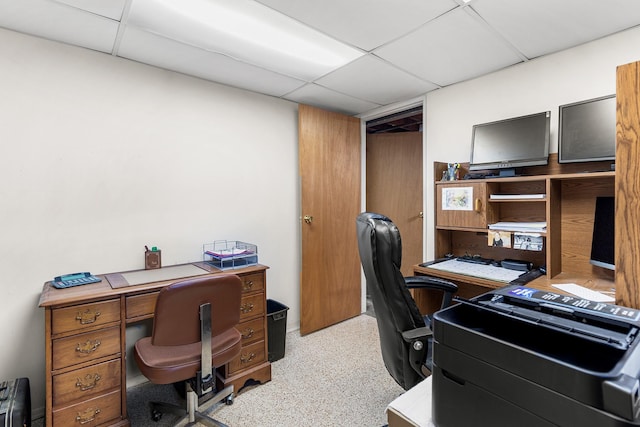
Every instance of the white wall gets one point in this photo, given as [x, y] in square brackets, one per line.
[543, 84]
[100, 156]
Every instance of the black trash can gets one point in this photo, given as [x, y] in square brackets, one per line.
[276, 329]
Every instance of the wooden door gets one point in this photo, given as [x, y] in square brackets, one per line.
[330, 174]
[394, 188]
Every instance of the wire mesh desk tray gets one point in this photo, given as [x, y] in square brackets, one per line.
[229, 254]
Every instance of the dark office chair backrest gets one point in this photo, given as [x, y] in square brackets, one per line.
[380, 249]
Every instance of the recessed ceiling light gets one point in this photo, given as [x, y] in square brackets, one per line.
[247, 31]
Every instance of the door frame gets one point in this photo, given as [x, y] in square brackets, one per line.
[375, 114]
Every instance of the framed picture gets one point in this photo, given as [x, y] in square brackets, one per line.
[527, 241]
[500, 239]
[457, 199]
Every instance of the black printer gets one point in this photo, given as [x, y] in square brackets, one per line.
[522, 357]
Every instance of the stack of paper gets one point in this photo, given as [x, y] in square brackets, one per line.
[526, 227]
[585, 293]
[515, 196]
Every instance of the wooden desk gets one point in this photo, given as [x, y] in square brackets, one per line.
[85, 330]
[469, 287]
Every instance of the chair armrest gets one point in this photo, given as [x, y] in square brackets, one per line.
[418, 339]
[417, 334]
[429, 282]
[434, 283]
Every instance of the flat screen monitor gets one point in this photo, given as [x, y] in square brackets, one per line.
[587, 130]
[511, 143]
[603, 241]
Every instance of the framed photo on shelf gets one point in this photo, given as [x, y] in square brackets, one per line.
[499, 239]
[527, 241]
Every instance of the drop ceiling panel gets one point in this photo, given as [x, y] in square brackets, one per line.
[375, 80]
[59, 22]
[108, 8]
[321, 97]
[423, 43]
[363, 23]
[452, 48]
[148, 48]
[544, 26]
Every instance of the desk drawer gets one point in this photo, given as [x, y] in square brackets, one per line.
[86, 383]
[90, 412]
[141, 305]
[250, 355]
[252, 306]
[252, 282]
[85, 347]
[251, 331]
[84, 316]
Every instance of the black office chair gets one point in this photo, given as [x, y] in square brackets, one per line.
[405, 334]
[193, 333]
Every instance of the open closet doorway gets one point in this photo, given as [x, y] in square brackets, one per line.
[394, 178]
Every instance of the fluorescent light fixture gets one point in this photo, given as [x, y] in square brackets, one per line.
[245, 30]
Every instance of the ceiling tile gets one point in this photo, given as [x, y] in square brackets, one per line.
[148, 48]
[375, 80]
[414, 45]
[59, 22]
[363, 23]
[449, 49]
[108, 8]
[321, 97]
[544, 26]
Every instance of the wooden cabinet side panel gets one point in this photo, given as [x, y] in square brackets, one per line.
[627, 185]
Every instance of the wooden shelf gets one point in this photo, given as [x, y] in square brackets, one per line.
[567, 206]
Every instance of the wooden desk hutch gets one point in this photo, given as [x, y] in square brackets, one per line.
[567, 206]
[85, 329]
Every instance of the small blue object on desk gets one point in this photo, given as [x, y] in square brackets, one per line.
[75, 279]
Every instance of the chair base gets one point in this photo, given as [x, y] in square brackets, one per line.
[194, 411]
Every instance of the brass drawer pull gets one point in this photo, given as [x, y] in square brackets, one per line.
[247, 333]
[87, 416]
[246, 307]
[88, 382]
[88, 346]
[88, 317]
[248, 284]
[247, 358]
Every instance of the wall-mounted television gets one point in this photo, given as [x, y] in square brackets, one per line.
[603, 241]
[587, 130]
[512, 143]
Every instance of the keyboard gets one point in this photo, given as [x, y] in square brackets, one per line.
[75, 279]
[484, 271]
[475, 259]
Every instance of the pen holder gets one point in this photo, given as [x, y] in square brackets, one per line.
[152, 259]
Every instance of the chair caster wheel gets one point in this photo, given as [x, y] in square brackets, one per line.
[228, 400]
[156, 415]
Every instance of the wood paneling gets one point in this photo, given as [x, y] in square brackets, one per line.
[628, 185]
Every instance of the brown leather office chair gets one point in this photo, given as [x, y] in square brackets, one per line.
[405, 335]
[193, 333]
